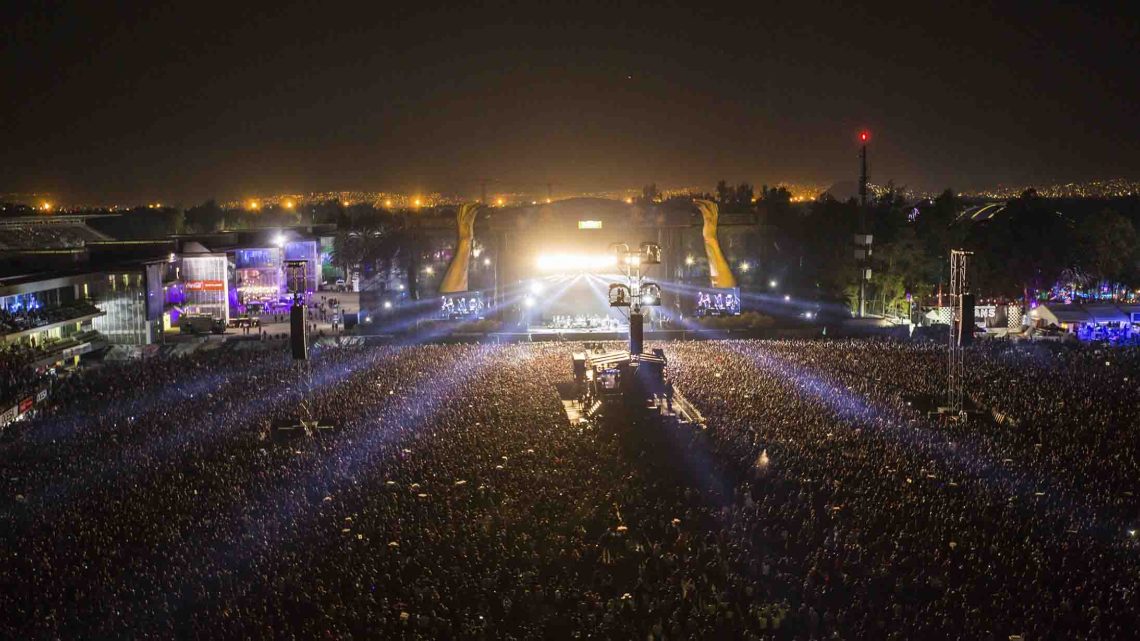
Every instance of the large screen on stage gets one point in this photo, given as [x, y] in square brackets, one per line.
[464, 305]
[718, 302]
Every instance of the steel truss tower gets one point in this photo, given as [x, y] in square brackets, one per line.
[956, 371]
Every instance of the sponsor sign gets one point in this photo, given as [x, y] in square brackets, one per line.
[205, 285]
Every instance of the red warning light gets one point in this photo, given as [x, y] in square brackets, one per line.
[864, 136]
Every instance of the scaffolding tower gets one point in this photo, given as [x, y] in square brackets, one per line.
[959, 286]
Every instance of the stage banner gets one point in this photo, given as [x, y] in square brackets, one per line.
[26, 404]
[9, 415]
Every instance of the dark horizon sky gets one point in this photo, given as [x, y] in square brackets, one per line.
[192, 101]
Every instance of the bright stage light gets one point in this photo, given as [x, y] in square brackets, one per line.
[648, 300]
[772, 283]
[387, 304]
[487, 261]
[529, 301]
[575, 262]
[689, 260]
[536, 288]
[745, 266]
[787, 298]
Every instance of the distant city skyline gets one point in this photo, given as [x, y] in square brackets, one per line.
[147, 102]
[1101, 188]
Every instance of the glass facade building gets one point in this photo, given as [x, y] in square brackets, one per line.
[122, 298]
[205, 285]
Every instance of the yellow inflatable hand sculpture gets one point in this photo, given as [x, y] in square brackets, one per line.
[455, 279]
[719, 272]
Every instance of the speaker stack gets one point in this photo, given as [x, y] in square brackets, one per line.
[297, 337]
[966, 326]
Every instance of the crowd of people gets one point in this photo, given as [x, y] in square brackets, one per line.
[17, 375]
[454, 499]
[28, 318]
[47, 236]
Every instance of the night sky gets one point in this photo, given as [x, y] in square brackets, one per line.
[192, 101]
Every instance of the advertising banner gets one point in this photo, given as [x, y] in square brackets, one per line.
[205, 285]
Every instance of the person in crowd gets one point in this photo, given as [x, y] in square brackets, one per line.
[454, 500]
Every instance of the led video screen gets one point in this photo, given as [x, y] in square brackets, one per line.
[464, 305]
[718, 302]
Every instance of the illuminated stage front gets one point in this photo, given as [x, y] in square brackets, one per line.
[575, 303]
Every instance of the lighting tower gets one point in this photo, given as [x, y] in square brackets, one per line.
[863, 240]
[637, 292]
[960, 324]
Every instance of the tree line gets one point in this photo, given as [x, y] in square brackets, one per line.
[1031, 245]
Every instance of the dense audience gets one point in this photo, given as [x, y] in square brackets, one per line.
[17, 375]
[47, 236]
[23, 319]
[454, 499]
